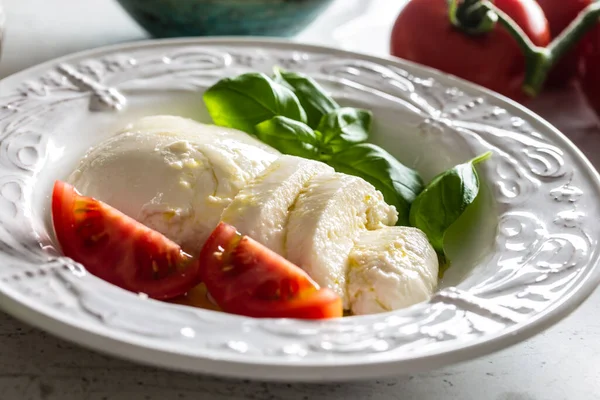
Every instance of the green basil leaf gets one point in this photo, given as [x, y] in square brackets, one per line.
[249, 99]
[399, 184]
[444, 200]
[344, 127]
[313, 98]
[289, 137]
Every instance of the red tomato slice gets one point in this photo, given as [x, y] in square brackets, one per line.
[119, 249]
[321, 304]
[246, 278]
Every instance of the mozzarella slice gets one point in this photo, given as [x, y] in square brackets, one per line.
[170, 125]
[261, 209]
[391, 268]
[172, 174]
[326, 219]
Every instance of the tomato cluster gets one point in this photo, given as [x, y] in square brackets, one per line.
[425, 34]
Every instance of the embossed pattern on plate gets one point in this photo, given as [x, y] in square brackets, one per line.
[545, 251]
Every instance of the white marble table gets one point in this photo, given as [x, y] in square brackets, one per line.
[561, 363]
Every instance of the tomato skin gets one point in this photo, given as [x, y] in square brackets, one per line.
[321, 304]
[560, 13]
[590, 69]
[118, 249]
[423, 34]
[246, 278]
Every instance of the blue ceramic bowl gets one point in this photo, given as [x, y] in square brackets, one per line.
[173, 18]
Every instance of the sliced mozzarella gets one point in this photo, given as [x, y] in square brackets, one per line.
[173, 174]
[261, 209]
[170, 125]
[326, 219]
[391, 268]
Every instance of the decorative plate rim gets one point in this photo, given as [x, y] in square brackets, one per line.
[317, 369]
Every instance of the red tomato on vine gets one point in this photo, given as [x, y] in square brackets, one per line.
[590, 68]
[560, 13]
[423, 33]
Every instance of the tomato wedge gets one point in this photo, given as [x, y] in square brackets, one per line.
[119, 249]
[246, 278]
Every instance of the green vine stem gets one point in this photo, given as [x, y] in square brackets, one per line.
[470, 17]
[474, 17]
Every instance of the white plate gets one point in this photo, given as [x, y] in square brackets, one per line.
[530, 260]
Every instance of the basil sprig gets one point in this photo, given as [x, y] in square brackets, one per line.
[313, 98]
[294, 114]
[249, 99]
[444, 200]
[344, 127]
[289, 137]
